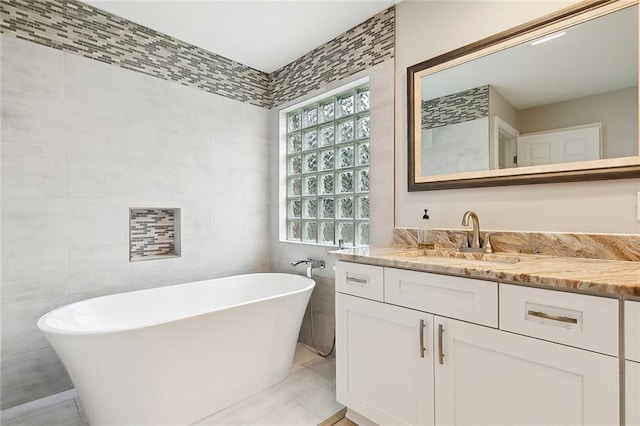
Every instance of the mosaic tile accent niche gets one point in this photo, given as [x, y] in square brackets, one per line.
[457, 108]
[153, 233]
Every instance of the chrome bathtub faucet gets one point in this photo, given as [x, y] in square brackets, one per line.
[310, 264]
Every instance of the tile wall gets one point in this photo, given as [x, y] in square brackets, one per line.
[456, 108]
[82, 142]
[86, 31]
[358, 49]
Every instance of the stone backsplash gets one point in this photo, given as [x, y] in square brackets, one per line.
[590, 246]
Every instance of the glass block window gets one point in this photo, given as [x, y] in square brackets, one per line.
[328, 170]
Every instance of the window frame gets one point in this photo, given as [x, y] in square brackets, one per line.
[283, 162]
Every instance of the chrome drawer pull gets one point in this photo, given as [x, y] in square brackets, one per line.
[357, 280]
[422, 338]
[440, 351]
[560, 318]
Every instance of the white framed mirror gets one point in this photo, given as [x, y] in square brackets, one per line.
[552, 100]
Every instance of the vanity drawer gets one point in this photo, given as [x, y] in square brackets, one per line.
[632, 330]
[583, 321]
[360, 280]
[466, 299]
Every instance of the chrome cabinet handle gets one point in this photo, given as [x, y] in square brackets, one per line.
[440, 351]
[422, 348]
[357, 280]
[559, 318]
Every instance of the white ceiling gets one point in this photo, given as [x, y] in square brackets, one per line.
[262, 34]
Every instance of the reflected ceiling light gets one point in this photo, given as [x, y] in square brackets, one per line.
[547, 38]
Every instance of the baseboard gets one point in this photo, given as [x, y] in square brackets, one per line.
[38, 404]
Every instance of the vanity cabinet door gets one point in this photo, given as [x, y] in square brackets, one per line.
[382, 371]
[632, 393]
[492, 377]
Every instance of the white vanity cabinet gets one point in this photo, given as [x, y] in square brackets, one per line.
[384, 361]
[492, 377]
[432, 353]
[632, 362]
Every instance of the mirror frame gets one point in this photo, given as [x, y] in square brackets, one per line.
[616, 168]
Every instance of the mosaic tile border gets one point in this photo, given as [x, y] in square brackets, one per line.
[457, 108]
[590, 246]
[362, 47]
[87, 31]
[84, 30]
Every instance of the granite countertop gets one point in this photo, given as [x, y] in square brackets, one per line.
[606, 277]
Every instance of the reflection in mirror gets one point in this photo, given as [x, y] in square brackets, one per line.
[567, 96]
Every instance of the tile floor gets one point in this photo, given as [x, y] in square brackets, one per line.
[305, 398]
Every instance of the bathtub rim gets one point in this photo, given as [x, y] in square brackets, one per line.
[47, 329]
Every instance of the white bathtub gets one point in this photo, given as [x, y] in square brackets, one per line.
[173, 355]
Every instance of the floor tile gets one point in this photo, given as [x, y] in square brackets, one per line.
[63, 414]
[305, 397]
[289, 414]
[301, 380]
[326, 367]
[247, 410]
[304, 354]
[321, 402]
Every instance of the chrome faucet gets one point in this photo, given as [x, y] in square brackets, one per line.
[474, 243]
[310, 264]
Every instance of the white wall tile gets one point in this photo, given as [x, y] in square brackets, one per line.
[87, 80]
[20, 333]
[34, 223]
[116, 136]
[28, 68]
[195, 220]
[206, 258]
[181, 141]
[30, 376]
[98, 268]
[228, 222]
[95, 175]
[33, 119]
[33, 273]
[198, 183]
[91, 127]
[95, 222]
[149, 273]
[148, 179]
[144, 95]
[62, 123]
[31, 171]
[189, 102]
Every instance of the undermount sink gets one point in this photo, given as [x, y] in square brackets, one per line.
[464, 257]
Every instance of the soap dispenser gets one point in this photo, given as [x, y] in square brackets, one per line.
[426, 239]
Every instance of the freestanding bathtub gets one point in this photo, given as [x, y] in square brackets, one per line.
[173, 355]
